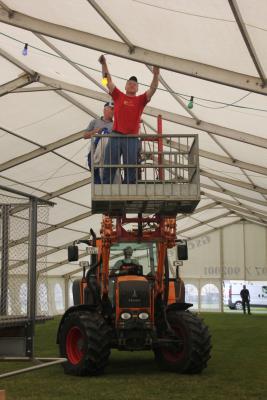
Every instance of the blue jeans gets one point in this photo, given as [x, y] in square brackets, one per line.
[128, 148]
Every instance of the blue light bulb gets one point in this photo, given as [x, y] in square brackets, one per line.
[25, 50]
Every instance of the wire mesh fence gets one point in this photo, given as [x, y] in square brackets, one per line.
[16, 259]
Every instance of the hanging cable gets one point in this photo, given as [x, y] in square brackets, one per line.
[184, 96]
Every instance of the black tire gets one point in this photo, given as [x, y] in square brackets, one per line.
[194, 353]
[84, 339]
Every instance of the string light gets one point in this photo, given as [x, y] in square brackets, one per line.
[25, 50]
[190, 105]
[182, 95]
[104, 80]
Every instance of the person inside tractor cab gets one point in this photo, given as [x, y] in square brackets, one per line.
[127, 265]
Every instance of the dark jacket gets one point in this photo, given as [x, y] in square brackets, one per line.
[245, 295]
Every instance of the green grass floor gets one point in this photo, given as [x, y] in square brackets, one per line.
[237, 369]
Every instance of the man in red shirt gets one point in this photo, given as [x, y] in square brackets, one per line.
[128, 109]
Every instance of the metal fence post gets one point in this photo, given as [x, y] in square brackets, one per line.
[31, 306]
[4, 260]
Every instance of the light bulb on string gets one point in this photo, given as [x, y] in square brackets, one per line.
[25, 50]
[190, 105]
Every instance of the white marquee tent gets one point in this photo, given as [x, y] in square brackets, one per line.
[214, 50]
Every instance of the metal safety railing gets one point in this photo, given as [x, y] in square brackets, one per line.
[144, 167]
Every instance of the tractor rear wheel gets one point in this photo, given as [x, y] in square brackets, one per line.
[84, 340]
[193, 353]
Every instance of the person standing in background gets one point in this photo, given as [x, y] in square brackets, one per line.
[245, 296]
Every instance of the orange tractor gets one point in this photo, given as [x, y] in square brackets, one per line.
[131, 303]
[133, 307]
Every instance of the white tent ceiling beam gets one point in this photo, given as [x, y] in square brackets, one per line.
[5, 7]
[231, 158]
[80, 70]
[168, 116]
[233, 196]
[19, 82]
[244, 214]
[41, 190]
[77, 104]
[213, 229]
[230, 193]
[67, 189]
[56, 50]
[193, 115]
[214, 138]
[86, 181]
[41, 150]
[16, 62]
[221, 187]
[206, 222]
[222, 159]
[204, 173]
[208, 127]
[52, 228]
[34, 89]
[24, 68]
[51, 225]
[234, 182]
[64, 262]
[244, 32]
[186, 67]
[112, 25]
[250, 218]
[237, 206]
[41, 147]
[175, 96]
[198, 210]
[47, 252]
[76, 136]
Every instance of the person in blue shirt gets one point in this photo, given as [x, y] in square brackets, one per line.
[101, 125]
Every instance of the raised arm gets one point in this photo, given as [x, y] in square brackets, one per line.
[154, 83]
[106, 74]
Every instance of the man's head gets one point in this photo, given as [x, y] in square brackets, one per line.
[244, 286]
[131, 86]
[108, 111]
[128, 252]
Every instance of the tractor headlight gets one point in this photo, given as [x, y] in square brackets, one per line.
[143, 315]
[126, 316]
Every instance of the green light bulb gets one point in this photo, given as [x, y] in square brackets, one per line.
[190, 105]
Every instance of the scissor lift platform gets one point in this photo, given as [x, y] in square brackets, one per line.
[167, 183]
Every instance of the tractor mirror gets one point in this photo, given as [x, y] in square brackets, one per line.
[73, 253]
[182, 253]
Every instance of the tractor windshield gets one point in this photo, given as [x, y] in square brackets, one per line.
[144, 254]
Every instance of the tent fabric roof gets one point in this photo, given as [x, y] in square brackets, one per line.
[213, 50]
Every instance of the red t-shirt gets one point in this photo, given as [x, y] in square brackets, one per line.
[127, 111]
